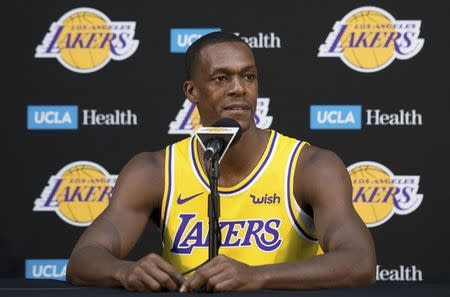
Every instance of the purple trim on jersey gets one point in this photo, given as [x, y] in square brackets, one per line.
[163, 227]
[194, 162]
[291, 161]
[197, 169]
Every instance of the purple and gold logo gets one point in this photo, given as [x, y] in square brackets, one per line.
[378, 193]
[78, 193]
[368, 39]
[84, 40]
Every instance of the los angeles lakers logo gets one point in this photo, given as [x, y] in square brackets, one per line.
[84, 40]
[78, 193]
[187, 120]
[368, 39]
[378, 194]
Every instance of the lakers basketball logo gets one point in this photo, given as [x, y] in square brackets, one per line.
[368, 39]
[84, 40]
[78, 193]
[378, 194]
[188, 121]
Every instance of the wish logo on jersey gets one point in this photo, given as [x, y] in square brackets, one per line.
[84, 40]
[369, 38]
[191, 234]
[378, 194]
[187, 120]
[78, 193]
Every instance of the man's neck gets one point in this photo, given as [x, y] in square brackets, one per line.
[242, 157]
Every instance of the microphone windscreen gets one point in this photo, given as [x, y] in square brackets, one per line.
[227, 122]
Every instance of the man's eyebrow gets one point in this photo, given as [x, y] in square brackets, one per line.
[228, 70]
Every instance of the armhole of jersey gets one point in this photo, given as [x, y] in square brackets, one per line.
[301, 221]
[168, 181]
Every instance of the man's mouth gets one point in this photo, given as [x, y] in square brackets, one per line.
[237, 107]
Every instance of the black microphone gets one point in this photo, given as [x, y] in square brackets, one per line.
[213, 147]
[218, 138]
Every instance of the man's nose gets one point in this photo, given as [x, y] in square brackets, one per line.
[237, 87]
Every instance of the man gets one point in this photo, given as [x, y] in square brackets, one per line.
[281, 198]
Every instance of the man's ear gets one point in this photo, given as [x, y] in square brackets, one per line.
[190, 91]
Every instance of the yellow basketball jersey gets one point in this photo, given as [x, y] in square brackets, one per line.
[260, 220]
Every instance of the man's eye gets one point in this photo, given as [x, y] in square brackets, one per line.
[220, 78]
[249, 77]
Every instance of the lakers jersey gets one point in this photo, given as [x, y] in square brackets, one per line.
[260, 220]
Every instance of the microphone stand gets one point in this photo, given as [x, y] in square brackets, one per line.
[213, 207]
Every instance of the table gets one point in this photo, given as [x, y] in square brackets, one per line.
[27, 287]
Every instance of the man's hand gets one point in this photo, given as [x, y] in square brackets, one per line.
[151, 273]
[224, 274]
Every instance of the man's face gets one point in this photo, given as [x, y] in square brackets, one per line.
[225, 84]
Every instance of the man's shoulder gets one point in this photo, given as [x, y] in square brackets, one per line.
[140, 183]
[149, 165]
[154, 159]
[317, 169]
[144, 160]
[316, 158]
[320, 165]
[317, 163]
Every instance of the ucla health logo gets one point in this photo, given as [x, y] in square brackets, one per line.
[65, 117]
[378, 193]
[78, 193]
[368, 39]
[325, 117]
[52, 117]
[182, 38]
[187, 120]
[84, 40]
[46, 268]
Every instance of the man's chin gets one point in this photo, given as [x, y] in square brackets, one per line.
[237, 114]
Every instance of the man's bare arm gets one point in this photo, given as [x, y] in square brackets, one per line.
[323, 183]
[97, 257]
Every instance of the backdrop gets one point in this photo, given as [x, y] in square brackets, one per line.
[89, 84]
